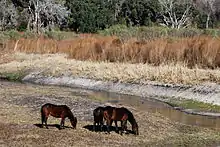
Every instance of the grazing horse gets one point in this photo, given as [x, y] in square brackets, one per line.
[58, 111]
[98, 114]
[120, 114]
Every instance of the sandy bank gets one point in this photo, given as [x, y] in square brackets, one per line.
[208, 93]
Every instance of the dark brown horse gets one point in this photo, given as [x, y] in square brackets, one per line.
[98, 114]
[120, 114]
[58, 111]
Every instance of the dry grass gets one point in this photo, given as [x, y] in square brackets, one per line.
[17, 126]
[182, 60]
[202, 51]
[59, 65]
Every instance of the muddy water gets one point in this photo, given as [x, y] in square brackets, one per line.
[159, 107]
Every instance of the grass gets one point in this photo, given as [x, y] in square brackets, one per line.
[17, 76]
[58, 65]
[196, 105]
[156, 46]
[202, 51]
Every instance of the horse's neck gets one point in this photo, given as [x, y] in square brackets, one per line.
[70, 115]
[132, 120]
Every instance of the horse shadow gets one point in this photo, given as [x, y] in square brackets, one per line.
[104, 129]
[51, 125]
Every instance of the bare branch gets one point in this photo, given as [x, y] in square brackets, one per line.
[170, 16]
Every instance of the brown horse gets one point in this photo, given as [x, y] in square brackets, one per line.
[120, 114]
[98, 114]
[58, 111]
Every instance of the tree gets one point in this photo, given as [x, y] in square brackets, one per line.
[176, 14]
[139, 12]
[206, 6]
[116, 7]
[8, 15]
[43, 13]
[90, 15]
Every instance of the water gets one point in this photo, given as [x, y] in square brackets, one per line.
[164, 109]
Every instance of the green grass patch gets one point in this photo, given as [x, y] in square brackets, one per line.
[191, 104]
[97, 98]
[147, 33]
[16, 77]
[60, 35]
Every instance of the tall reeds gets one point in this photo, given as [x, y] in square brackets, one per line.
[200, 51]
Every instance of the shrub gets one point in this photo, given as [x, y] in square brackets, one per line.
[59, 35]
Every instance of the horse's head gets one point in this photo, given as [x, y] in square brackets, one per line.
[73, 122]
[135, 128]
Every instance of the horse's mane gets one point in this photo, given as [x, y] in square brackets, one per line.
[131, 118]
[71, 116]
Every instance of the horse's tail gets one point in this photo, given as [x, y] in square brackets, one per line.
[42, 114]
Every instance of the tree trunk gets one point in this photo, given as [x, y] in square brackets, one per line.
[29, 23]
[207, 21]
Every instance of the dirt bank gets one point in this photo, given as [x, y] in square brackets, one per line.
[208, 93]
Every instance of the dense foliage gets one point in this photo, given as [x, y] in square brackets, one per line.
[94, 15]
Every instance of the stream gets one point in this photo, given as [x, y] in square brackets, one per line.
[155, 106]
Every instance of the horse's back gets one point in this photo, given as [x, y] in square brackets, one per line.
[109, 109]
[125, 110]
[55, 110]
[47, 105]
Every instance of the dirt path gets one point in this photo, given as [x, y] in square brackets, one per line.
[19, 116]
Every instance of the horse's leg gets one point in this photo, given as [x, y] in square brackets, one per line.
[108, 125]
[62, 123]
[43, 115]
[101, 125]
[94, 126]
[45, 120]
[116, 126]
[42, 120]
[123, 126]
[111, 122]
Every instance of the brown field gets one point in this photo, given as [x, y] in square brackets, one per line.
[20, 115]
[200, 51]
